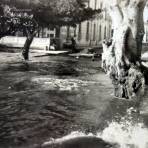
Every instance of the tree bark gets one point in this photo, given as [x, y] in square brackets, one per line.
[121, 58]
[25, 52]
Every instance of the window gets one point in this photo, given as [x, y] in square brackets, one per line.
[94, 33]
[146, 34]
[51, 35]
[95, 4]
[68, 32]
[105, 15]
[88, 3]
[87, 32]
[79, 33]
[101, 5]
[105, 32]
[52, 28]
[48, 35]
[75, 33]
[100, 33]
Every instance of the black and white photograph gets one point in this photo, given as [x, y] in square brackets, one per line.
[73, 73]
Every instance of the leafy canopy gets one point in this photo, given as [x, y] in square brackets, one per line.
[56, 12]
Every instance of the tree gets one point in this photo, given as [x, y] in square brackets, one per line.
[10, 23]
[121, 57]
[52, 12]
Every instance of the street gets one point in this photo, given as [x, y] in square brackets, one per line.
[52, 96]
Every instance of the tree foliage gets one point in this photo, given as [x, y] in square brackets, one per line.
[56, 12]
[62, 12]
[10, 22]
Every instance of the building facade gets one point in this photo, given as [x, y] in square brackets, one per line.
[93, 31]
[47, 32]
[145, 39]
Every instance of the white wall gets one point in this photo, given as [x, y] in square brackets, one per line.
[12, 41]
[145, 38]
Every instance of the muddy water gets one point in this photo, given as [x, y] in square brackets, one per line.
[51, 97]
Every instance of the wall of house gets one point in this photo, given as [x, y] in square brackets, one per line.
[47, 32]
[145, 39]
[38, 43]
[91, 32]
[145, 16]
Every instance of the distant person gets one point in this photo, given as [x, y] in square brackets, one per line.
[53, 45]
[95, 55]
[73, 44]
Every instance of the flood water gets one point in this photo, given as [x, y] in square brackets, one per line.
[57, 99]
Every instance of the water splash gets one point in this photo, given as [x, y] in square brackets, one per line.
[125, 134]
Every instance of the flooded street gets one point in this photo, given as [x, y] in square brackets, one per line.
[54, 96]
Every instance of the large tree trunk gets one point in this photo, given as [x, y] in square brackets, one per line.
[121, 57]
